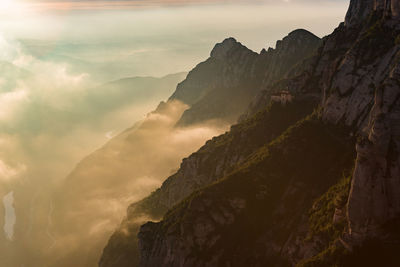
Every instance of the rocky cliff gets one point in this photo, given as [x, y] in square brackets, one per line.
[364, 92]
[235, 72]
[360, 10]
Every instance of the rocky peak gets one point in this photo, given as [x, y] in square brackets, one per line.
[296, 39]
[222, 50]
[361, 9]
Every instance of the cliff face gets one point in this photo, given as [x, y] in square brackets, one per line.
[359, 10]
[375, 195]
[364, 92]
[276, 207]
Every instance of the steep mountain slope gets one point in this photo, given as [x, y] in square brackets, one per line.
[236, 73]
[288, 203]
[248, 218]
[212, 161]
[213, 86]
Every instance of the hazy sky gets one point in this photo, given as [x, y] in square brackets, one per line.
[116, 4]
[159, 37]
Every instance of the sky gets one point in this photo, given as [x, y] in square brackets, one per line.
[56, 55]
[128, 39]
[124, 4]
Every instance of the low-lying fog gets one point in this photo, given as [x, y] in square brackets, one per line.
[58, 106]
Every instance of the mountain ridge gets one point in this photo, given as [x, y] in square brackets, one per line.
[157, 204]
[234, 71]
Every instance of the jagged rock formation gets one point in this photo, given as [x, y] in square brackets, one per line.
[293, 80]
[360, 10]
[271, 194]
[290, 51]
[235, 72]
[228, 72]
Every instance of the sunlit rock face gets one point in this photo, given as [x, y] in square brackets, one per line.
[10, 217]
[363, 93]
[375, 195]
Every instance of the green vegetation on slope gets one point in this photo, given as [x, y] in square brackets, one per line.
[321, 215]
[278, 185]
[323, 228]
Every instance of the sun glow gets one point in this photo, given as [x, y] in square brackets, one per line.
[6, 5]
[10, 8]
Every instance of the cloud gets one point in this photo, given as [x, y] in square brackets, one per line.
[10, 102]
[7, 172]
[92, 201]
[50, 119]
